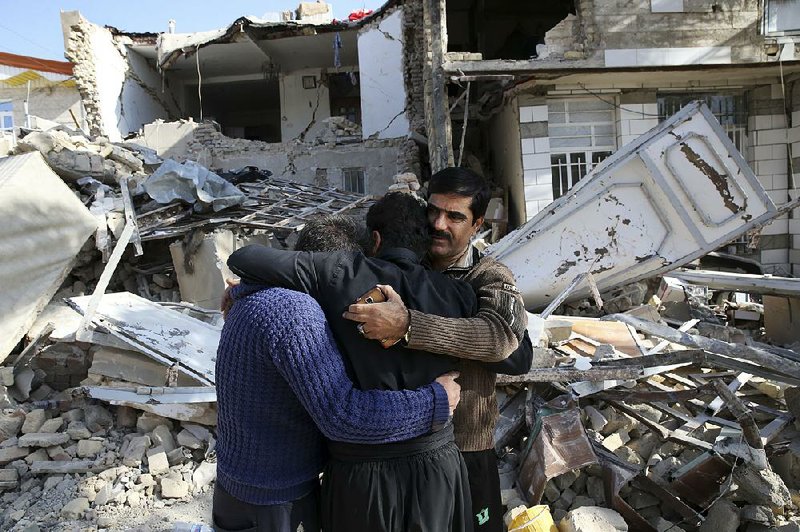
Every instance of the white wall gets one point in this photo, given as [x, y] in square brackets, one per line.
[125, 106]
[300, 106]
[383, 94]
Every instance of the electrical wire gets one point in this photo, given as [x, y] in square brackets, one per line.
[199, 81]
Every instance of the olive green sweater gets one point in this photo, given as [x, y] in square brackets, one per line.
[490, 336]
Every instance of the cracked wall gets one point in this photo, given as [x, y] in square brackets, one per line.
[302, 108]
[383, 94]
[120, 90]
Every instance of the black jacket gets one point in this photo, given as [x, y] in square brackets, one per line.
[336, 279]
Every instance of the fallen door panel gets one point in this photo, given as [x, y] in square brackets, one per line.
[672, 195]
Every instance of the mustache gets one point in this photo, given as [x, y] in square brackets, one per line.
[442, 234]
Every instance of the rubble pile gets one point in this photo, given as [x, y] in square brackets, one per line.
[700, 436]
[83, 463]
[108, 403]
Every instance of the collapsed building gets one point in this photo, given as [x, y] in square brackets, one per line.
[275, 88]
[663, 394]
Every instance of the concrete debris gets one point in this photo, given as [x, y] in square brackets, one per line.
[592, 519]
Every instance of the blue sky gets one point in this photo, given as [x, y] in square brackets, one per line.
[33, 27]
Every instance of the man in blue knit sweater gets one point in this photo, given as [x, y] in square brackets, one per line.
[281, 386]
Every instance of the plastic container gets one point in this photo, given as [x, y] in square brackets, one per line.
[535, 519]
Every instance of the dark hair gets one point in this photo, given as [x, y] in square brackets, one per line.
[333, 232]
[401, 221]
[462, 182]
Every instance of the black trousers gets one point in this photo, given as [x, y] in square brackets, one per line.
[421, 489]
[484, 486]
[232, 515]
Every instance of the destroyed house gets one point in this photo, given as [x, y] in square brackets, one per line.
[33, 91]
[261, 92]
[538, 94]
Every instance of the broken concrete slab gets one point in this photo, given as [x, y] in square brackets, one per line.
[670, 196]
[39, 439]
[153, 329]
[42, 229]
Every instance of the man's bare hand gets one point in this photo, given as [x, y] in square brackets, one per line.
[453, 389]
[387, 322]
[227, 300]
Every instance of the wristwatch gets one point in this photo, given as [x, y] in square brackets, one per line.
[407, 336]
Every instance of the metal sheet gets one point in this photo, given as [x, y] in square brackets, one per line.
[672, 195]
[163, 334]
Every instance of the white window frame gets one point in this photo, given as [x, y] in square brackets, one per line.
[570, 165]
[354, 180]
[772, 14]
[736, 132]
[4, 114]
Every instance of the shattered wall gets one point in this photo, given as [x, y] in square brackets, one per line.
[319, 164]
[120, 90]
[302, 108]
[383, 95]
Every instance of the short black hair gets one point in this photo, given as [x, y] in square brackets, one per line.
[333, 232]
[462, 182]
[402, 222]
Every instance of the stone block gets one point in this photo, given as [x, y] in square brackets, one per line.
[77, 430]
[40, 439]
[7, 376]
[135, 451]
[616, 440]
[87, 448]
[10, 425]
[174, 489]
[593, 519]
[147, 422]
[34, 421]
[10, 454]
[157, 461]
[162, 436]
[187, 439]
[52, 425]
[75, 508]
[205, 284]
[723, 516]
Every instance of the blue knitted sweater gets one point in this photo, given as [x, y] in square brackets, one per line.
[280, 381]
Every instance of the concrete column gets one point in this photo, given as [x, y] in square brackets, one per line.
[437, 116]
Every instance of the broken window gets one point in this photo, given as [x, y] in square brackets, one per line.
[582, 134]
[502, 29]
[249, 109]
[729, 109]
[345, 95]
[781, 16]
[6, 116]
[353, 180]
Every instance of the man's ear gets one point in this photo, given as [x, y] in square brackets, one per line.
[376, 243]
[477, 225]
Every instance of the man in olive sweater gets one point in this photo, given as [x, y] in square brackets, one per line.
[457, 202]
